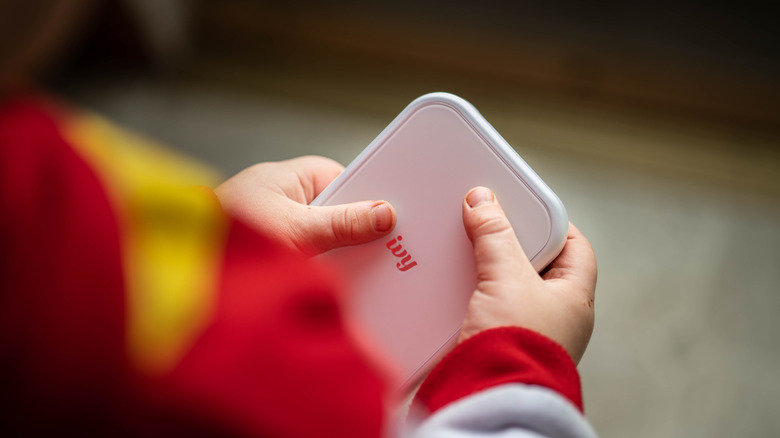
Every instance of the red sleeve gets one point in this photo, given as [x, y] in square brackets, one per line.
[500, 356]
[274, 358]
[61, 303]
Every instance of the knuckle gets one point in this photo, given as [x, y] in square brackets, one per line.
[345, 224]
[490, 224]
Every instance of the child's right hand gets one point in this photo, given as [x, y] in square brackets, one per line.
[558, 304]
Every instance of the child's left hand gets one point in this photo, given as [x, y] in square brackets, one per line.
[273, 198]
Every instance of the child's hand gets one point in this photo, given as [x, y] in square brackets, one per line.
[273, 198]
[559, 304]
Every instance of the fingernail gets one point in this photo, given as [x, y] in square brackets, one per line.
[383, 217]
[479, 196]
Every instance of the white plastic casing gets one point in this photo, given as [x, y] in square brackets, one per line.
[423, 163]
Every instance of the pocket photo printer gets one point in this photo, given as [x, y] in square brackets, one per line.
[410, 290]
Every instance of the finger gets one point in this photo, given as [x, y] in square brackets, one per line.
[314, 173]
[576, 262]
[496, 249]
[326, 228]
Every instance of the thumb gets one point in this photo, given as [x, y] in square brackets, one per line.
[497, 251]
[325, 228]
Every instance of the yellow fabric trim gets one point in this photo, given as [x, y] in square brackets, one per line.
[172, 238]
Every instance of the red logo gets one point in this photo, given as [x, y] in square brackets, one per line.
[406, 262]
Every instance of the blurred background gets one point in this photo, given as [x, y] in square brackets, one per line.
[657, 124]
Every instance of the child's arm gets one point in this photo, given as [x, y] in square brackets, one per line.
[513, 369]
[130, 305]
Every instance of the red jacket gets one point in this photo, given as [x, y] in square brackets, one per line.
[129, 304]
